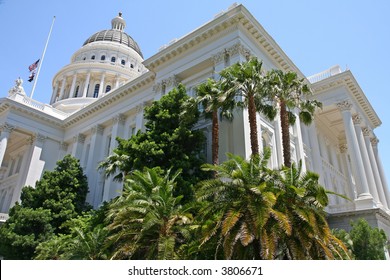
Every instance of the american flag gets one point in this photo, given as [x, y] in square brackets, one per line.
[33, 66]
[31, 77]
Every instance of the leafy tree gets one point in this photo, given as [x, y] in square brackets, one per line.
[287, 92]
[23, 231]
[214, 97]
[147, 220]
[58, 197]
[62, 191]
[85, 241]
[246, 80]
[368, 242]
[169, 142]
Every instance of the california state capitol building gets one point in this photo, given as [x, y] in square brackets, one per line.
[101, 94]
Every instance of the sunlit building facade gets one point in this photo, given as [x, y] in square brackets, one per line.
[102, 92]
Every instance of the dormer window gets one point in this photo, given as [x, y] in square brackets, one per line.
[123, 62]
[103, 57]
[108, 88]
[113, 59]
[93, 57]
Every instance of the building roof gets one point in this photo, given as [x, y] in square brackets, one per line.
[115, 34]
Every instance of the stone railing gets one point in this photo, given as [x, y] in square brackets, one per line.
[324, 74]
[39, 106]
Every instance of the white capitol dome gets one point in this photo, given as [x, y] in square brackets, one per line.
[107, 59]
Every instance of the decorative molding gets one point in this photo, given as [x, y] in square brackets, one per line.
[97, 129]
[357, 119]
[345, 105]
[237, 48]
[139, 108]
[374, 141]
[343, 148]
[79, 138]
[119, 118]
[366, 132]
[63, 146]
[17, 88]
[6, 127]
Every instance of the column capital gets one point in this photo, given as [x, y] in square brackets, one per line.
[97, 129]
[238, 48]
[374, 141]
[63, 146]
[6, 127]
[366, 132]
[345, 105]
[119, 118]
[79, 138]
[357, 119]
[343, 148]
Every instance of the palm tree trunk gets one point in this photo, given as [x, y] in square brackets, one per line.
[215, 138]
[284, 122]
[253, 125]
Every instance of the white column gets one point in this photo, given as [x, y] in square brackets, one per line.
[73, 85]
[54, 95]
[374, 142]
[101, 88]
[62, 88]
[278, 139]
[357, 120]
[6, 130]
[32, 165]
[116, 81]
[95, 152]
[111, 187]
[299, 142]
[85, 92]
[78, 145]
[350, 188]
[356, 158]
[315, 152]
[374, 166]
[139, 119]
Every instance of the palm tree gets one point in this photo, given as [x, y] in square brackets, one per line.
[289, 92]
[239, 206]
[147, 221]
[246, 80]
[213, 97]
[303, 201]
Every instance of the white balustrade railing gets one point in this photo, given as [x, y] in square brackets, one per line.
[324, 74]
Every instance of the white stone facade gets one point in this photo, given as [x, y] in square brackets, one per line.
[94, 100]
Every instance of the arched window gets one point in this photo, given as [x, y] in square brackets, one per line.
[76, 91]
[108, 88]
[93, 57]
[113, 59]
[96, 91]
[123, 62]
[131, 66]
[84, 58]
[103, 57]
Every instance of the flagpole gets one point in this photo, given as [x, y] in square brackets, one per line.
[41, 60]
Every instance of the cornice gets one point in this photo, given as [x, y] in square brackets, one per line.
[114, 96]
[235, 18]
[347, 80]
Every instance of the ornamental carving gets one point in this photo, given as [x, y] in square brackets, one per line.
[79, 138]
[17, 89]
[97, 129]
[63, 146]
[6, 127]
[366, 132]
[343, 148]
[344, 105]
[237, 48]
[374, 141]
[357, 119]
[120, 118]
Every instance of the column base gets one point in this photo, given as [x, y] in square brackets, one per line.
[365, 201]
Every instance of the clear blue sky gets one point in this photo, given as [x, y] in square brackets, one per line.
[314, 34]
